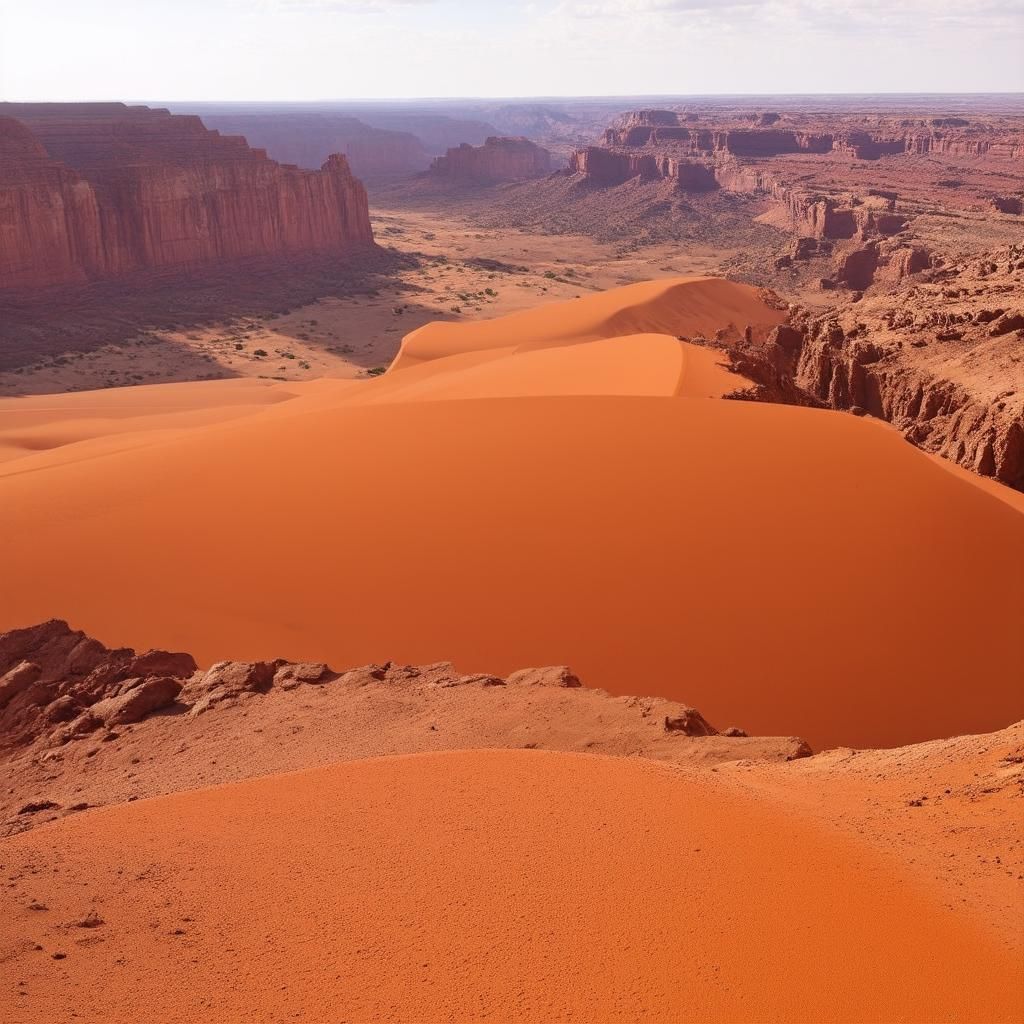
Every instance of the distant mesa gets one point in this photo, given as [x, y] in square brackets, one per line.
[91, 191]
[499, 159]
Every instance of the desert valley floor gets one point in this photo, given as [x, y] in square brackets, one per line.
[449, 267]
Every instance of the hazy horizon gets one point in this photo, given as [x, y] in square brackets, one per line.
[323, 51]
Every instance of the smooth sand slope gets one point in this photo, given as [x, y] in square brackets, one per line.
[787, 570]
[481, 885]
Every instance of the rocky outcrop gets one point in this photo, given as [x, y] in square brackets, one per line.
[91, 191]
[59, 687]
[939, 415]
[606, 167]
[498, 160]
[798, 160]
[51, 674]
[812, 213]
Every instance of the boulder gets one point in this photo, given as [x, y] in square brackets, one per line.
[290, 675]
[553, 675]
[227, 681]
[17, 680]
[364, 675]
[475, 679]
[689, 722]
[139, 697]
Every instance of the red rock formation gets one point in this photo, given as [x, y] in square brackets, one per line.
[94, 191]
[881, 137]
[51, 675]
[610, 167]
[893, 355]
[49, 216]
[498, 159]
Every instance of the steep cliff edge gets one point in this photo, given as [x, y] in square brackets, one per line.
[498, 160]
[941, 357]
[49, 216]
[99, 190]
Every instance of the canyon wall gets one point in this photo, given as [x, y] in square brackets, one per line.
[49, 216]
[498, 160]
[939, 358]
[92, 191]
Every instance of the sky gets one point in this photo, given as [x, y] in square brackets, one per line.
[139, 50]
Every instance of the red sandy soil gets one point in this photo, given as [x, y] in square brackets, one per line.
[483, 885]
[795, 570]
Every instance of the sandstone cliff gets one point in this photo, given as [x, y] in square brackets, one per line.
[99, 190]
[939, 357]
[498, 160]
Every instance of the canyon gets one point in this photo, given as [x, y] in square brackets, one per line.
[99, 191]
[892, 233]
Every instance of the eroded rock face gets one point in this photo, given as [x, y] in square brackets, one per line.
[498, 160]
[92, 191]
[892, 355]
[51, 674]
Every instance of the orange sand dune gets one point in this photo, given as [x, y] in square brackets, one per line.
[636, 364]
[787, 570]
[46, 422]
[681, 306]
[525, 886]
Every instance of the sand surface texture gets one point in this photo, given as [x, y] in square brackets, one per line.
[483, 885]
